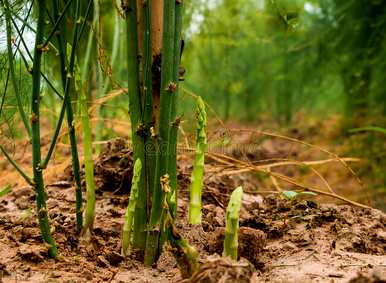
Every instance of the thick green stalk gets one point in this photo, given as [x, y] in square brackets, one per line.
[172, 163]
[197, 179]
[6, 10]
[135, 109]
[149, 154]
[35, 138]
[129, 215]
[231, 242]
[71, 128]
[168, 86]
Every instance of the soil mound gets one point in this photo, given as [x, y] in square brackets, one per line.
[279, 240]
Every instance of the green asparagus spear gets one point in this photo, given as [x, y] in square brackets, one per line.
[129, 215]
[198, 168]
[232, 224]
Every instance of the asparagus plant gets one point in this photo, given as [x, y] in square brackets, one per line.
[38, 163]
[129, 215]
[89, 214]
[68, 78]
[231, 243]
[152, 95]
[167, 87]
[152, 112]
[70, 124]
[35, 131]
[198, 167]
[135, 109]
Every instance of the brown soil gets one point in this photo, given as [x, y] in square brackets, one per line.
[279, 240]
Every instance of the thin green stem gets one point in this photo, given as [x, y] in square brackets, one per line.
[27, 178]
[30, 57]
[69, 83]
[56, 134]
[6, 10]
[4, 93]
[35, 138]
[21, 37]
[57, 23]
[24, 21]
[72, 135]
[85, 71]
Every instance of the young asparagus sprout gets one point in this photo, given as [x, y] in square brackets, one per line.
[129, 215]
[81, 79]
[198, 168]
[231, 243]
[89, 213]
[186, 256]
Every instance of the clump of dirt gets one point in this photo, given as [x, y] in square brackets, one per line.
[224, 270]
[377, 276]
[251, 244]
[114, 167]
